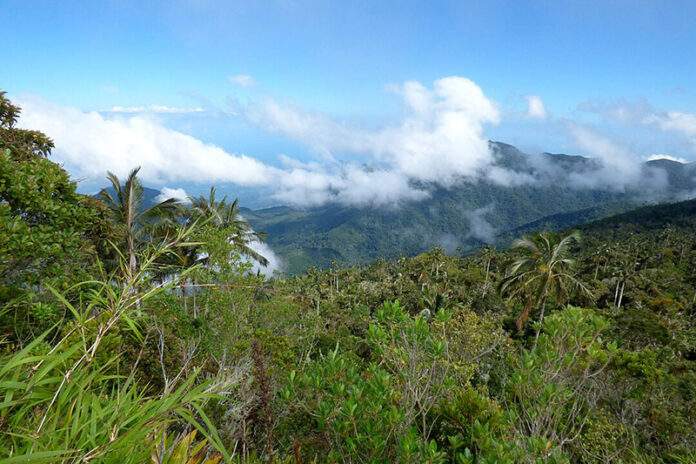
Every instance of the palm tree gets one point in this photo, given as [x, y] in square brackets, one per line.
[543, 270]
[134, 221]
[226, 215]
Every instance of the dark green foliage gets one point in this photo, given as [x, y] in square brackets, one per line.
[49, 234]
[23, 144]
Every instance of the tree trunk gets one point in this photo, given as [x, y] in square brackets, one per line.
[132, 266]
[623, 285]
[132, 261]
[485, 283]
[524, 315]
[541, 321]
[195, 308]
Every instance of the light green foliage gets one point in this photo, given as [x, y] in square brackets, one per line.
[135, 226]
[71, 401]
[385, 410]
[226, 217]
[184, 449]
[354, 412]
[554, 386]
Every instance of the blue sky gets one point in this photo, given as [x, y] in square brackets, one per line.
[586, 61]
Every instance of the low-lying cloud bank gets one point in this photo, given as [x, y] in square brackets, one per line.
[439, 141]
[89, 144]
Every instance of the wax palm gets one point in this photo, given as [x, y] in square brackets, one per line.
[226, 215]
[543, 270]
[134, 222]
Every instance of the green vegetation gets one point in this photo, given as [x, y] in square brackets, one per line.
[131, 335]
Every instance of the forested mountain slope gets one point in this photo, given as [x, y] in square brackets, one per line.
[680, 215]
[461, 218]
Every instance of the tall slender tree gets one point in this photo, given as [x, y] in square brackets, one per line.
[135, 221]
[543, 270]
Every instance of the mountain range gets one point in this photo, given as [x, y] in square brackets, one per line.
[466, 216]
[546, 191]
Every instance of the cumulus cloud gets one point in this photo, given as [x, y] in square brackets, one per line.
[89, 144]
[614, 167]
[321, 133]
[178, 194]
[535, 107]
[439, 140]
[352, 185]
[242, 80]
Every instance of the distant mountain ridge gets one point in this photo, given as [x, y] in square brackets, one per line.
[462, 218]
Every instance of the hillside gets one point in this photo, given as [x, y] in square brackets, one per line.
[680, 215]
[462, 218]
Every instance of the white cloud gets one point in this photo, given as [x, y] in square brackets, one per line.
[324, 135]
[642, 113]
[479, 227]
[535, 107]
[350, 186]
[178, 194]
[242, 80]
[675, 121]
[274, 261]
[622, 111]
[618, 167]
[440, 139]
[666, 157]
[89, 144]
[157, 109]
